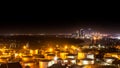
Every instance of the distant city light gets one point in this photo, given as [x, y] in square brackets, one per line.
[118, 37]
[50, 49]
[24, 47]
[55, 58]
[66, 47]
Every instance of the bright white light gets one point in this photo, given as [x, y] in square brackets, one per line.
[85, 62]
[109, 60]
[55, 58]
[91, 56]
[65, 61]
[73, 61]
[118, 37]
[27, 64]
[16, 54]
[92, 62]
[50, 63]
[70, 56]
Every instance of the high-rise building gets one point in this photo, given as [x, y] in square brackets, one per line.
[82, 33]
[77, 32]
[89, 30]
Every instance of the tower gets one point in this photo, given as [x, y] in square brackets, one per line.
[82, 33]
[77, 34]
[89, 30]
[27, 45]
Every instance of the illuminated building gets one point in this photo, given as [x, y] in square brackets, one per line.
[90, 56]
[82, 33]
[89, 31]
[72, 56]
[32, 52]
[63, 55]
[45, 63]
[77, 32]
[70, 61]
[81, 55]
[86, 61]
[4, 59]
[50, 56]
[109, 60]
[27, 58]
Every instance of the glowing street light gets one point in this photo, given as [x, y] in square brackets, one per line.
[55, 58]
[4, 47]
[66, 47]
[24, 47]
[50, 49]
[94, 38]
[57, 45]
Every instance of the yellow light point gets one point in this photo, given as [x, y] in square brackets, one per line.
[3, 53]
[73, 47]
[36, 51]
[94, 38]
[81, 55]
[66, 47]
[4, 47]
[55, 58]
[57, 45]
[50, 49]
[31, 52]
[24, 47]
[20, 54]
[16, 55]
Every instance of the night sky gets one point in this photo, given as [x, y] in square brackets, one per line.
[57, 23]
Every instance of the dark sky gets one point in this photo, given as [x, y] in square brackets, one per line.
[58, 18]
[58, 23]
